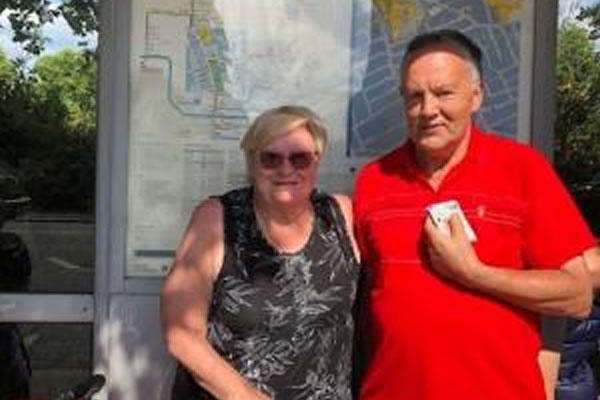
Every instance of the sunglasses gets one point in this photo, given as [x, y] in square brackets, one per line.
[298, 159]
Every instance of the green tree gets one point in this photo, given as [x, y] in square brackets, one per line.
[48, 129]
[577, 138]
[8, 70]
[27, 17]
[15, 110]
[68, 79]
[60, 172]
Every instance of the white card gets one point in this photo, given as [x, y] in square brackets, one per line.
[440, 214]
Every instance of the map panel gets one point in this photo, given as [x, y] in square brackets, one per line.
[201, 70]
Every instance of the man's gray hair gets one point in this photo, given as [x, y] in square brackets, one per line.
[465, 46]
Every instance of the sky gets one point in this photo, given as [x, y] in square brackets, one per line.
[61, 37]
[568, 8]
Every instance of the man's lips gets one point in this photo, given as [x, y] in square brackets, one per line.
[430, 127]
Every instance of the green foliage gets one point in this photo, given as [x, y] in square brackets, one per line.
[48, 116]
[577, 128]
[48, 129]
[68, 79]
[7, 69]
[27, 17]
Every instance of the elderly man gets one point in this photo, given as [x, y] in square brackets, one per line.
[453, 316]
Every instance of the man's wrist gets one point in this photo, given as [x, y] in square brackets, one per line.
[477, 276]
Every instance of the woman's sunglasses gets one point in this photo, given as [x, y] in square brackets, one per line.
[298, 159]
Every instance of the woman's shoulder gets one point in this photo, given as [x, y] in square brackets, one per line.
[343, 200]
[343, 203]
[201, 248]
[207, 217]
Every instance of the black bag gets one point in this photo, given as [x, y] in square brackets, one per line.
[15, 263]
[15, 368]
[15, 272]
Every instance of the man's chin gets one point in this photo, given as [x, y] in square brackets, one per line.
[430, 143]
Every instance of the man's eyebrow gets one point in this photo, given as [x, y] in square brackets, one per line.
[448, 85]
[441, 86]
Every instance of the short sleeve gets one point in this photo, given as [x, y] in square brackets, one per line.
[555, 230]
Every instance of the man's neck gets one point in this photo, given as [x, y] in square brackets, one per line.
[436, 167]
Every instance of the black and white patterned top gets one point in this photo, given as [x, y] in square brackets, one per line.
[284, 321]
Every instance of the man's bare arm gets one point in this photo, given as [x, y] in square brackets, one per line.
[592, 262]
[564, 291]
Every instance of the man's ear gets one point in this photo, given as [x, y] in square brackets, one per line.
[478, 93]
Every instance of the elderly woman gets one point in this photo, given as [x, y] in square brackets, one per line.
[258, 302]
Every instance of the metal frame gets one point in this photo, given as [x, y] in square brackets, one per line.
[114, 127]
[524, 102]
[111, 185]
[55, 308]
[106, 92]
[543, 99]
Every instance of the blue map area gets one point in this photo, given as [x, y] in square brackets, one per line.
[203, 93]
[376, 119]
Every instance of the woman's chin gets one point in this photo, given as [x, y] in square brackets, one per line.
[289, 196]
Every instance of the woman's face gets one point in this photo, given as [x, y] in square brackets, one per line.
[285, 171]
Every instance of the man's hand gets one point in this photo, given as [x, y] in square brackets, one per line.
[452, 256]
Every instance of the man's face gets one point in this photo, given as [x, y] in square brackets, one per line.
[441, 92]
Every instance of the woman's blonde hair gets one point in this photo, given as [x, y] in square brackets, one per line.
[277, 122]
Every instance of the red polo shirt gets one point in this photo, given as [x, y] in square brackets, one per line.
[433, 339]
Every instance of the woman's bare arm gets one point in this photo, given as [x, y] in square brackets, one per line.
[184, 304]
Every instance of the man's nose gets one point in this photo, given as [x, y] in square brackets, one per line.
[429, 105]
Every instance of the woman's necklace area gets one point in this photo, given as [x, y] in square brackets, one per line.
[290, 237]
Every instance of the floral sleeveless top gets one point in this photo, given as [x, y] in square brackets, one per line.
[284, 321]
